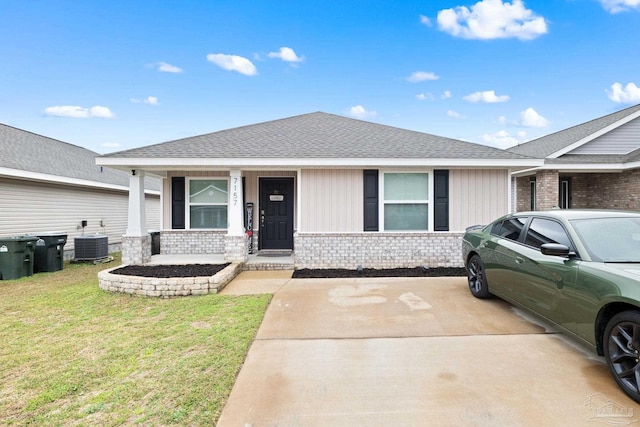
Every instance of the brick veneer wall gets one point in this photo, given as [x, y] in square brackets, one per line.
[185, 242]
[136, 250]
[377, 250]
[547, 189]
[606, 190]
[523, 194]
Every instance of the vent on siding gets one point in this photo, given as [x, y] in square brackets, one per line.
[91, 247]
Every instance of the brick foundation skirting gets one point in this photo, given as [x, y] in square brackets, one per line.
[377, 250]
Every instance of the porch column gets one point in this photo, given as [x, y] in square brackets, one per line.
[547, 189]
[136, 243]
[235, 243]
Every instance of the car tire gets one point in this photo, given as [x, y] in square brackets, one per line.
[621, 344]
[477, 278]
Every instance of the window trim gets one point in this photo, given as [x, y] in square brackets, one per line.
[187, 204]
[382, 201]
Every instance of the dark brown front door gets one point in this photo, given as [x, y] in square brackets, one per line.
[276, 213]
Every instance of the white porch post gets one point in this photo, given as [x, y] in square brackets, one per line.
[236, 240]
[136, 243]
[236, 211]
[137, 215]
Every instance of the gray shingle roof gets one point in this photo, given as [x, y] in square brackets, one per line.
[30, 152]
[317, 136]
[547, 145]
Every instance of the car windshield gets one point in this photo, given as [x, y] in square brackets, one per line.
[610, 239]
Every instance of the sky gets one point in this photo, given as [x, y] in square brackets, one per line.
[115, 75]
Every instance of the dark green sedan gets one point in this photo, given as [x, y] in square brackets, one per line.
[577, 269]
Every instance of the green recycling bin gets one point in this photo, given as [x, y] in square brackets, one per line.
[49, 254]
[16, 256]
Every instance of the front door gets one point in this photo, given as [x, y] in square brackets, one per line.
[276, 213]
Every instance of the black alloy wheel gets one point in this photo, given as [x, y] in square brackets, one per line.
[477, 280]
[622, 351]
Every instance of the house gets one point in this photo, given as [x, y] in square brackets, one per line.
[48, 185]
[338, 192]
[592, 165]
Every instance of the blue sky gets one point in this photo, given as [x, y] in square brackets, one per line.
[114, 75]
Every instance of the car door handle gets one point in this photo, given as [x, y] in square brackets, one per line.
[519, 260]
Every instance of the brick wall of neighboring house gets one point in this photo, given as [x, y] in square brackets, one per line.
[547, 189]
[588, 191]
[606, 190]
[523, 194]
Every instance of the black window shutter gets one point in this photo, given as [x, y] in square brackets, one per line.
[177, 202]
[370, 200]
[441, 200]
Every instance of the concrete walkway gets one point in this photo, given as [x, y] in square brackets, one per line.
[411, 352]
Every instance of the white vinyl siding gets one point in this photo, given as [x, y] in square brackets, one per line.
[331, 200]
[477, 196]
[621, 140]
[29, 207]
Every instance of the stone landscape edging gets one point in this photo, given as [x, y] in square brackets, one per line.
[166, 287]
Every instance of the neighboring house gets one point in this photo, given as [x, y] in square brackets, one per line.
[591, 165]
[50, 186]
[339, 192]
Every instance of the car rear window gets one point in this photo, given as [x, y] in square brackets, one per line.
[509, 228]
[543, 231]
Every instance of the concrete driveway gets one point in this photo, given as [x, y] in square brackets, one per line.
[411, 352]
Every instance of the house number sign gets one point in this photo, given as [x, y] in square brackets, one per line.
[234, 191]
[276, 197]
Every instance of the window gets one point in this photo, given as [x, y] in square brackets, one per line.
[509, 228]
[532, 194]
[406, 201]
[543, 231]
[208, 201]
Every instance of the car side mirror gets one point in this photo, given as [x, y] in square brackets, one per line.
[555, 249]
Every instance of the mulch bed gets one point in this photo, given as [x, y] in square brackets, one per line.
[331, 273]
[164, 271]
[199, 270]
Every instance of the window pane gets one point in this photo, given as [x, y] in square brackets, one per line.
[512, 227]
[406, 186]
[543, 231]
[208, 216]
[401, 217]
[208, 191]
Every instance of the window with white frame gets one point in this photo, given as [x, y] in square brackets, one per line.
[208, 202]
[405, 201]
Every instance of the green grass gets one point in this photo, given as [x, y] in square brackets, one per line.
[72, 354]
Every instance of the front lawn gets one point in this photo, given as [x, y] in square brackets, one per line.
[72, 354]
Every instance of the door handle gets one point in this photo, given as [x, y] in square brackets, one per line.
[519, 260]
[261, 219]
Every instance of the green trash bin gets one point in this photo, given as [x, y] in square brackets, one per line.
[16, 256]
[49, 254]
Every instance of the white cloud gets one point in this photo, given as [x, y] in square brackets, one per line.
[421, 76]
[425, 20]
[75, 111]
[630, 94]
[233, 63]
[488, 96]
[501, 139]
[530, 118]
[492, 19]
[446, 94]
[168, 68]
[360, 112]
[151, 100]
[425, 96]
[286, 54]
[455, 115]
[617, 6]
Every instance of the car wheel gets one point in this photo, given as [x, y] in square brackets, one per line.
[477, 279]
[622, 351]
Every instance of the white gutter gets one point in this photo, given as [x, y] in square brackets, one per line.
[296, 163]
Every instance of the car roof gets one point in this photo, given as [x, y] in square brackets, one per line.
[571, 214]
